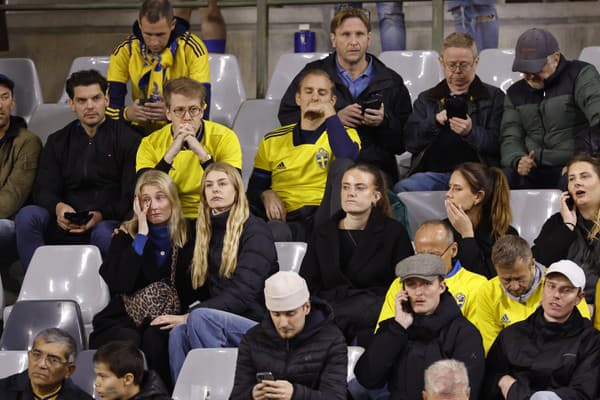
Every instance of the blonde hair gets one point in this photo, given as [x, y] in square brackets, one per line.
[238, 215]
[177, 224]
[460, 40]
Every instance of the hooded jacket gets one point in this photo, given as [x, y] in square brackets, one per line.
[399, 356]
[314, 361]
[541, 355]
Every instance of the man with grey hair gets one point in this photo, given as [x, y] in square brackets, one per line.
[51, 361]
[446, 380]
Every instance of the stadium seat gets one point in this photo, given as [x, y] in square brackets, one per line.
[254, 119]
[28, 91]
[12, 362]
[84, 372]
[227, 88]
[420, 70]
[357, 391]
[206, 371]
[531, 208]
[592, 55]
[49, 118]
[29, 317]
[286, 69]
[422, 206]
[290, 255]
[495, 68]
[99, 63]
[67, 272]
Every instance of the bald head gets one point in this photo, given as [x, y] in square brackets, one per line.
[435, 237]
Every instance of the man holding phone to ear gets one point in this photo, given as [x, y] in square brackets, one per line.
[454, 122]
[296, 352]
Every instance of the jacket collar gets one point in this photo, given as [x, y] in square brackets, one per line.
[379, 73]
[14, 126]
[427, 327]
[476, 90]
[570, 328]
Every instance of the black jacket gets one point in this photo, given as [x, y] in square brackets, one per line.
[399, 356]
[152, 388]
[541, 355]
[485, 106]
[378, 144]
[557, 242]
[242, 294]
[371, 268]
[88, 173]
[18, 387]
[315, 361]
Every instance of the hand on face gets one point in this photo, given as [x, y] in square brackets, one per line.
[141, 212]
[402, 316]
[459, 219]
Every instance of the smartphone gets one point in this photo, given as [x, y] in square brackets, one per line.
[406, 306]
[79, 218]
[456, 107]
[373, 103]
[570, 202]
[264, 376]
[144, 101]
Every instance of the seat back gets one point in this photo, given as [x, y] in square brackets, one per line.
[28, 91]
[592, 55]
[49, 118]
[99, 63]
[227, 88]
[495, 68]
[254, 119]
[12, 362]
[423, 206]
[84, 372]
[206, 370]
[29, 317]
[531, 208]
[357, 391]
[74, 276]
[286, 69]
[420, 69]
[290, 255]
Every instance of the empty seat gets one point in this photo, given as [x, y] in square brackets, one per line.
[422, 206]
[67, 272]
[531, 208]
[357, 391]
[12, 362]
[290, 255]
[592, 55]
[99, 63]
[227, 88]
[49, 118]
[28, 92]
[29, 317]
[495, 68]
[254, 119]
[420, 70]
[206, 371]
[286, 69]
[84, 372]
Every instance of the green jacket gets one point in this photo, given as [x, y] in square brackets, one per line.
[19, 154]
[554, 120]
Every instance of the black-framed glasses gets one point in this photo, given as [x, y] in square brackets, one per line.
[463, 66]
[50, 359]
[194, 111]
[442, 253]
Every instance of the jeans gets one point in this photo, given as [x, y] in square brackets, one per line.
[391, 24]
[205, 328]
[485, 32]
[544, 395]
[35, 228]
[423, 182]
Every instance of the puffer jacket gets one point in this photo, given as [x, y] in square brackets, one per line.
[553, 120]
[542, 355]
[314, 361]
[399, 356]
[484, 108]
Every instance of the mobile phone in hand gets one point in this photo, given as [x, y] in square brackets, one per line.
[456, 107]
[373, 103]
[264, 376]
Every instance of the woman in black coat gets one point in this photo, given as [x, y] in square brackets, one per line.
[350, 259]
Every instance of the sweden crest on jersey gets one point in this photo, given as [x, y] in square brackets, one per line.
[322, 158]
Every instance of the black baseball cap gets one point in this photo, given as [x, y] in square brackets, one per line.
[532, 50]
[6, 81]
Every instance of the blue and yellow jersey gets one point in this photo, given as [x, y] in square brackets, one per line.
[218, 140]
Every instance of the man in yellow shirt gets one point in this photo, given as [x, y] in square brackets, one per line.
[435, 237]
[515, 293]
[188, 144]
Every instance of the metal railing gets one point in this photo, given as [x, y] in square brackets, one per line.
[262, 21]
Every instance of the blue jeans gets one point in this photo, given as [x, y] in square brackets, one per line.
[484, 32]
[423, 182]
[391, 24]
[205, 328]
[35, 228]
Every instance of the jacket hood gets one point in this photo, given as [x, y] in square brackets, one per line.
[572, 327]
[181, 26]
[427, 327]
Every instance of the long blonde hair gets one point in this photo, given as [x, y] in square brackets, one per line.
[177, 224]
[238, 215]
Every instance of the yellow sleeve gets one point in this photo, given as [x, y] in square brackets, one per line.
[389, 304]
[583, 308]
[354, 136]
[484, 316]
[596, 305]
[146, 156]
[118, 67]
[229, 150]
[261, 160]
[196, 57]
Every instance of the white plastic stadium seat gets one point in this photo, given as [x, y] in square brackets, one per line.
[290, 255]
[592, 55]
[227, 88]
[423, 206]
[420, 70]
[356, 389]
[531, 208]
[12, 362]
[286, 69]
[28, 91]
[495, 68]
[206, 370]
[49, 118]
[254, 120]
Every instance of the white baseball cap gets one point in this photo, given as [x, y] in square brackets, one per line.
[570, 270]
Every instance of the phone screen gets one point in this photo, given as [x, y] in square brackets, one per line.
[264, 376]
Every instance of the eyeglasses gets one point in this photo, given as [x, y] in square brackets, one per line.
[180, 112]
[463, 66]
[442, 253]
[50, 360]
